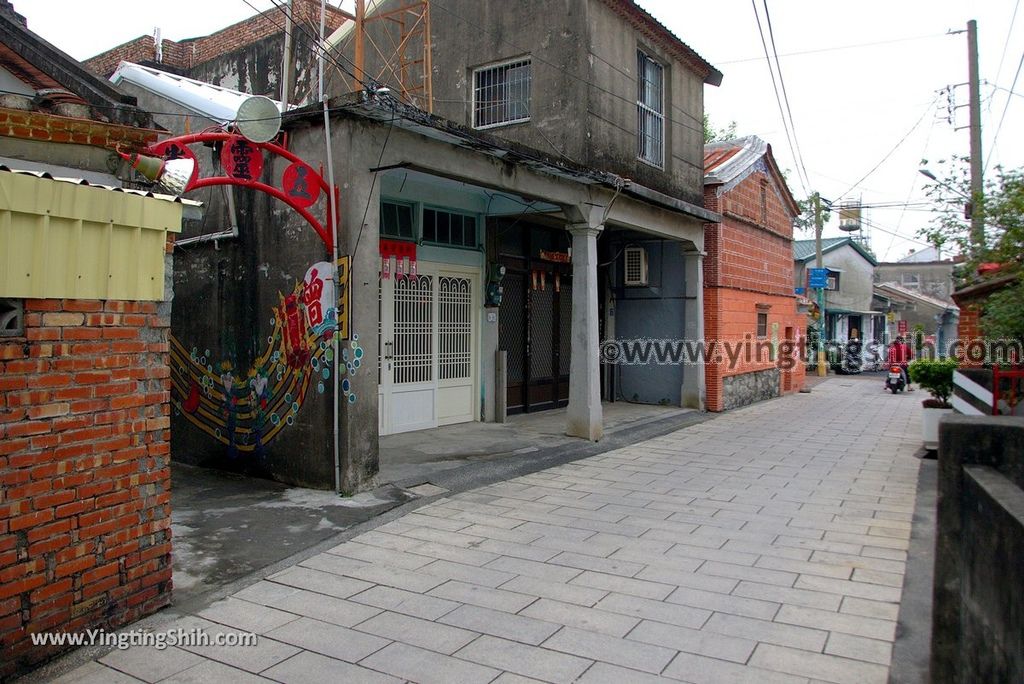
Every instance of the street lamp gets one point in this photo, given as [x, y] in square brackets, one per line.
[968, 204]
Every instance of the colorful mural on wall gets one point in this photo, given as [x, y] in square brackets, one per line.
[246, 409]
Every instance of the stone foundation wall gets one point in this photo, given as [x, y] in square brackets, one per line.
[749, 388]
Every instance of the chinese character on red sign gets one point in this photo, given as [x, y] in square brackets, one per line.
[901, 326]
[241, 159]
[302, 184]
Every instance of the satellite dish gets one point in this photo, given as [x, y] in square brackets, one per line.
[258, 119]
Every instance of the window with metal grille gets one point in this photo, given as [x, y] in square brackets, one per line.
[650, 109]
[449, 229]
[454, 328]
[12, 318]
[396, 220]
[762, 325]
[501, 94]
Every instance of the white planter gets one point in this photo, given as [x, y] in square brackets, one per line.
[930, 418]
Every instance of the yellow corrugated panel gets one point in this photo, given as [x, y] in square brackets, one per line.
[61, 240]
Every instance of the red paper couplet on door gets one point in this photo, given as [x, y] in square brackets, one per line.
[241, 159]
[301, 183]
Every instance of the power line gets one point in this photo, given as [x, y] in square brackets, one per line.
[836, 48]
[1002, 118]
[894, 148]
[778, 98]
[1009, 34]
[785, 95]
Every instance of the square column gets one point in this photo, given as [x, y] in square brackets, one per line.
[584, 413]
[694, 389]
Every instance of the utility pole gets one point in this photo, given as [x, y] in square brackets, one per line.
[977, 189]
[286, 59]
[360, 46]
[822, 369]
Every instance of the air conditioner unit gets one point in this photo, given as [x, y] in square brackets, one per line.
[635, 271]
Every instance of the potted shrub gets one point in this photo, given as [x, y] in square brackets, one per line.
[936, 376]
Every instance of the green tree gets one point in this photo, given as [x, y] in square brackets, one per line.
[712, 134]
[1002, 209]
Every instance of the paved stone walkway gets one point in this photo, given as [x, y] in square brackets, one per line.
[767, 545]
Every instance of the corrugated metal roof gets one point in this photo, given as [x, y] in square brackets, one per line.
[805, 249]
[109, 188]
[214, 102]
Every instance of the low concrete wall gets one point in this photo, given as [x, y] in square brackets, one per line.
[978, 624]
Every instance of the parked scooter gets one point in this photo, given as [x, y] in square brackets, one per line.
[896, 380]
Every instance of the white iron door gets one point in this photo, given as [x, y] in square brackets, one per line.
[428, 350]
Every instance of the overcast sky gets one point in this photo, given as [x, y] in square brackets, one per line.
[860, 77]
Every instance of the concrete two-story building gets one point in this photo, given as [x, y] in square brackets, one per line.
[553, 199]
[849, 296]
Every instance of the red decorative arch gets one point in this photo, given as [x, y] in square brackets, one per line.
[240, 172]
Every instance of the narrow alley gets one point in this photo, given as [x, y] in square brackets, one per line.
[766, 545]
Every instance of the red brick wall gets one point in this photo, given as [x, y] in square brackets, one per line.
[188, 53]
[17, 123]
[84, 471]
[749, 262]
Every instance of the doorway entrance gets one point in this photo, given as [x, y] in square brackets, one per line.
[428, 348]
[536, 324]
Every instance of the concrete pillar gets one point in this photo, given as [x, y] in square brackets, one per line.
[585, 419]
[694, 390]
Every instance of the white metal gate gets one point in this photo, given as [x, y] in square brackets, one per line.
[428, 346]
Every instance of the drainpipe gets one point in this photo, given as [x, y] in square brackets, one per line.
[334, 228]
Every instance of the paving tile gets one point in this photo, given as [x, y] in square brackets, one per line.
[150, 664]
[648, 609]
[501, 547]
[805, 567]
[250, 617]
[330, 640]
[387, 541]
[742, 572]
[856, 625]
[799, 597]
[622, 585]
[859, 648]
[522, 627]
[418, 632]
[580, 617]
[818, 666]
[520, 566]
[485, 597]
[313, 668]
[606, 565]
[530, 661]
[320, 607]
[375, 554]
[685, 578]
[603, 673]
[486, 576]
[405, 602]
[453, 553]
[698, 642]
[608, 649]
[767, 631]
[426, 667]
[868, 608]
[94, 673]
[212, 672]
[888, 579]
[509, 678]
[320, 582]
[252, 658]
[374, 572]
[596, 546]
[702, 670]
[568, 593]
[875, 592]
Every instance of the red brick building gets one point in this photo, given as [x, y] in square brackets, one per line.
[750, 307]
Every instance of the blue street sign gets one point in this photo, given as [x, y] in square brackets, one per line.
[818, 277]
[801, 290]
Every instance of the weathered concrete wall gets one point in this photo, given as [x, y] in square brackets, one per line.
[583, 90]
[978, 624]
[749, 388]
[934, 278]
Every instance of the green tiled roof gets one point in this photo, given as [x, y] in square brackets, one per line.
[805, 249]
